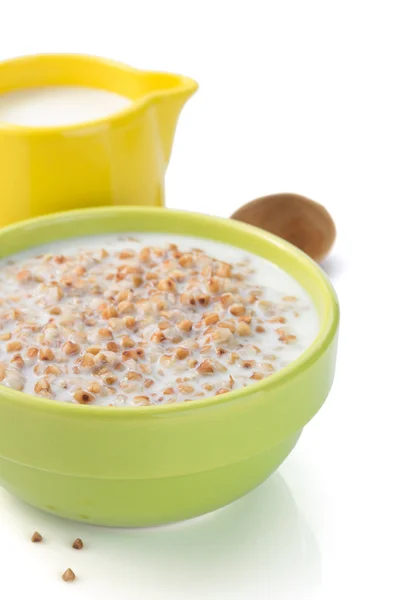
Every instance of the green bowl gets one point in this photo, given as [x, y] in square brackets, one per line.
[152, 465]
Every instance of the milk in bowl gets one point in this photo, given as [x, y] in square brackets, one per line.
[146, 320]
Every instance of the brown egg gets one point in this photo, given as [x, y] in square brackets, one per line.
[297, 219]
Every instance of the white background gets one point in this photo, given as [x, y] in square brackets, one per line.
[295, 96]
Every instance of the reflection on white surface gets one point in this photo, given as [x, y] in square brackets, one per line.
[334, 266]
[261, 542]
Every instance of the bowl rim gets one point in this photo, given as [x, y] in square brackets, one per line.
[186, 85]
[328, 326]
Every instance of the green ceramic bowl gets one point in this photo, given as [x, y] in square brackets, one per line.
[152, 465]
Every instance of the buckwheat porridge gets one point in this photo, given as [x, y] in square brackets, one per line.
[136, 320]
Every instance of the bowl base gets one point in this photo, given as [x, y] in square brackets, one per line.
[143, 502]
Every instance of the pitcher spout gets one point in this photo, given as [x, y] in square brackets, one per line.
[174, 91]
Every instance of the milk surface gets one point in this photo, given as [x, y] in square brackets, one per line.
[59, 105]
[274, 283]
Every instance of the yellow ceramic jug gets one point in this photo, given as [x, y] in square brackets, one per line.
[116, 160]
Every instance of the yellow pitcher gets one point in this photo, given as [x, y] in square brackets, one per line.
[116, 160]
